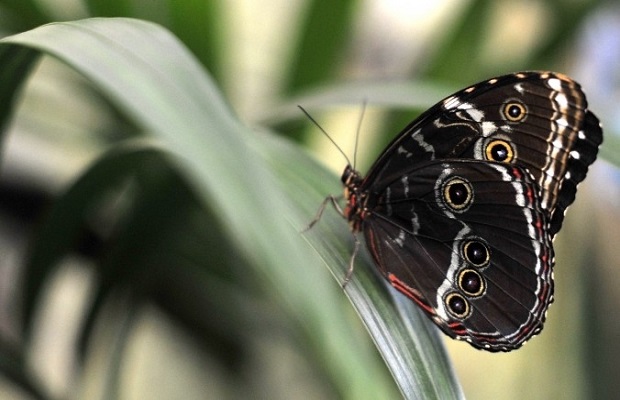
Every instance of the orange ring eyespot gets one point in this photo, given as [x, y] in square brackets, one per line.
[458, 194]
[514, 111]
[476, 253]
[499, 150]
[471, 283]
[457, 305]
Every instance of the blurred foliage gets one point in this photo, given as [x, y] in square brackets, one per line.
[176, 204]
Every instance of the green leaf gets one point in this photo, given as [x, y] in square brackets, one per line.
[316, 54]
[16, 65]
[263, 190]
[12, 366]
[610, 150]
[22, 14]
[197, 23]
[393, 94]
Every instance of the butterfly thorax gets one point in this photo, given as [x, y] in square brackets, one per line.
[356, 209]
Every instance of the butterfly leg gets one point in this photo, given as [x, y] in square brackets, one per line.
[349, 274]
[331, 198]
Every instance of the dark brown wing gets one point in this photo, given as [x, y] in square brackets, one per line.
[465, 240]
[535, 120]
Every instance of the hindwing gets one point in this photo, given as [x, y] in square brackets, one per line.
[465, 240]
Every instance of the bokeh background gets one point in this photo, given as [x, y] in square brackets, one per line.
[266, 57]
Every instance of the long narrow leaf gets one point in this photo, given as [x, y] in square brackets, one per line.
[256, 187]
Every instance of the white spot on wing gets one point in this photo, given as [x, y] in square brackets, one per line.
[415, 222]
[555, 84]
[561, 99]
[575, 154]
[400, 240]
[475, 114]
[451, 102]
[488, 128]
[419, 139]
[519, 88]
[402, 151]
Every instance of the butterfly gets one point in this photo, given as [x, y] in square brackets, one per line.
[459, 212]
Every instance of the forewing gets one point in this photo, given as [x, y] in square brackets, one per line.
[535, 120]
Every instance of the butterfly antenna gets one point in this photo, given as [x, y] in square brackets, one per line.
[325, 133]
[357, 133]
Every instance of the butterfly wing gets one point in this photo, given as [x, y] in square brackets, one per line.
[535, 120]
[465, 240]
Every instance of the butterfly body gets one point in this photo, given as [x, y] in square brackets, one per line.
[459, 212]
